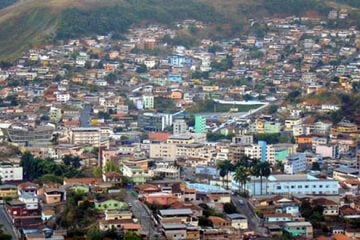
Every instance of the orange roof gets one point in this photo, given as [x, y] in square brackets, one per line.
[131, 226]
[340, 236]
[217, 220]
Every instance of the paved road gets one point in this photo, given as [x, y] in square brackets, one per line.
[85, 116]
[7, 225]
[253, 220]
[141, 213]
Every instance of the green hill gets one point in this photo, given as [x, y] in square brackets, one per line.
[28, 23]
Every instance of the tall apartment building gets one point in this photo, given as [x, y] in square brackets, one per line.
[154, 121]
[85, 136]
[180, 127]
[200, 124]
[148, 101]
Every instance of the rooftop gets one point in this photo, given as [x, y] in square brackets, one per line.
[296, 177]
[181, 211]
[298, 224]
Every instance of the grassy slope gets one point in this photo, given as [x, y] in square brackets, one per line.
[30, 22]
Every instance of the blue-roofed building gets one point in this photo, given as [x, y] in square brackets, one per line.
[174, 77]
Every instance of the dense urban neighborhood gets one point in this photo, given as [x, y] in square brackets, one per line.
[161, 135]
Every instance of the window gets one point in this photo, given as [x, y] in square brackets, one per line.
[306, 186]
[292, 186]
[299, 186]
[320, 186]
[278, 187]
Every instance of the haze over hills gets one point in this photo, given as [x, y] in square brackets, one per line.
[28, 23]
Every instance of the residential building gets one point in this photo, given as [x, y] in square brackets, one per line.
[200, 124]
[154, 121]
[238, 221]
[295, 163]
[180, 127]
[11, 173]
[299, 229]
[148, 101]
[85, 136]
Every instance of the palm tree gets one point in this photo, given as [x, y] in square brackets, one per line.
[242, 176]
[279, 165]
[225, 167]
[261, 169]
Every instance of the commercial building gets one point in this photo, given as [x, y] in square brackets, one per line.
[154, 121]
[29, 136]
[295, 163]
[11, 173]
[200, 124]
[85, 136]
[298, 184]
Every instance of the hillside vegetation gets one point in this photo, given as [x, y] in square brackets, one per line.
[6, 3]
[28, 23]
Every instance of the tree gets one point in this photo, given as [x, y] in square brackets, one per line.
[131, 236]
[111, 166]
[229, 208]
[279, 165]
[242, 176]
[97, 172]
[95, 233]
[261, 169]
[72, 161]
[3, 235]
[225, 167]
[315, 166]
[141, 68]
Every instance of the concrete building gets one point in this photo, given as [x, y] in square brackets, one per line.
[200, 124]
[298, 184]
[29, 136]
[180, 127]
[295, 164]
[148, 101]
[85, 136]
[328, 151]
[154, 121]
[238, 221]
[55, 114]
[297, 229]
[11, 173]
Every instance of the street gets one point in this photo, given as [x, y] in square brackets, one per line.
[7, 226]
[245, 209]
[141, 213]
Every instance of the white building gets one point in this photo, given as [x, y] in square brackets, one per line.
[295, 163]
[253, 151]
[85, 135]
[62, 96]
[180, 127]
[298, 184]
[31, 201]
[148, 101]
[11, 173]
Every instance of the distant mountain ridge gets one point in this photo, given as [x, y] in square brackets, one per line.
[27, 23]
